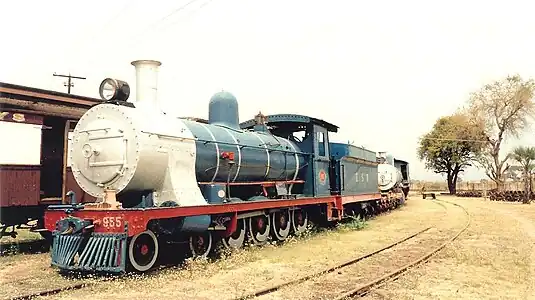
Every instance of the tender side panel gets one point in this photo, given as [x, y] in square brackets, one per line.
[357, 177]
[339, 150]
[20, 156]
[19, 185]
[361, 153]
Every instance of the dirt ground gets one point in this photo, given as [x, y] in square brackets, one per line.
[491, 260]
[249, 270]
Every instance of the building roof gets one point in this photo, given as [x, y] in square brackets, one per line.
[45, 102]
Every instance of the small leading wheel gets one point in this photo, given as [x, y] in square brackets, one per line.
[143, 251]
[237, 239]
[299, 221]
[281, 224]
[200, 245]
[259, 229]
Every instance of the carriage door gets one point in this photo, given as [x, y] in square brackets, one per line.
[322, 185]
[69, 128]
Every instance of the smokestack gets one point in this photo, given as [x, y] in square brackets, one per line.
[147, 81]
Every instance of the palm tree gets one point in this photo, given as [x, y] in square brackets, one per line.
[526, 157]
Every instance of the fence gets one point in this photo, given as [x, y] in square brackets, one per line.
[467, 186]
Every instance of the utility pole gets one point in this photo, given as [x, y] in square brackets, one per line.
[69, 83]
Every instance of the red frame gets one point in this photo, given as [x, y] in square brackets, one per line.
[113, 220]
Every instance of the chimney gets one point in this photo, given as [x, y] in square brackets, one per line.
[147, 81]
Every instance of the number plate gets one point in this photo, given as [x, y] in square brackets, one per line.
[112, 222]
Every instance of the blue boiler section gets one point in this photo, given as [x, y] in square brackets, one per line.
[258, 156]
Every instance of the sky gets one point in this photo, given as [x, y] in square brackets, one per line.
[383, 71]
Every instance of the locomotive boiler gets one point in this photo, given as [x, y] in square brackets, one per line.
[142, 153]
[389, 176]
[392, 174]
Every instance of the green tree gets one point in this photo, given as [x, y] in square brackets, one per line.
[451, 146]
[503, 108]
[525, 156]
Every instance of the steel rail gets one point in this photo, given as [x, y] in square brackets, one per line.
[52, 291]
[363, 289]
[329, 270]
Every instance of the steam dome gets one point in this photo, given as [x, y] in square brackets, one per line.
[223, 110]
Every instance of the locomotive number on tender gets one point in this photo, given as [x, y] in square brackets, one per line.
[361, 177]
[110, 222]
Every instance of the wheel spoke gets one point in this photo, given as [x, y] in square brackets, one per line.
[299, 221]
[237, 239]
[143, 251]
[280, 225]
[200, 245]
[259, 228]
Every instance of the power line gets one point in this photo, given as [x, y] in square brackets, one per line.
[455, 140]
[163, 19]
[69, 83]
[77, 47]
[131, 39]
[164, 28]
[174, 12]
[192, 13]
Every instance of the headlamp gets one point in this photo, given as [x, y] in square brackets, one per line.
[114, 89]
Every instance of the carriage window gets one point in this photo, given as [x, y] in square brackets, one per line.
[321, 144]
[22, 143]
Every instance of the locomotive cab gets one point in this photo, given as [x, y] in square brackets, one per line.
[311, 136]
[403, 166]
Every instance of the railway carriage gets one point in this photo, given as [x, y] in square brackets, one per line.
[162, 179]
[34, 172]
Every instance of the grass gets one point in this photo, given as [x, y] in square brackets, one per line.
[249, 269]
[32, 272]
[354, 223]
[240, 271]
[23, 235]
[493, 259]
[25, 242]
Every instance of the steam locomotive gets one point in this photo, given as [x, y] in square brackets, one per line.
[159, 178]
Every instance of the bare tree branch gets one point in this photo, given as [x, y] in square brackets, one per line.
[502, 108]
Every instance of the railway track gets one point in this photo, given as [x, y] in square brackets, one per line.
[264, 291]
[51, 291]
[363, 289]
[76, 286]
[277, 287]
